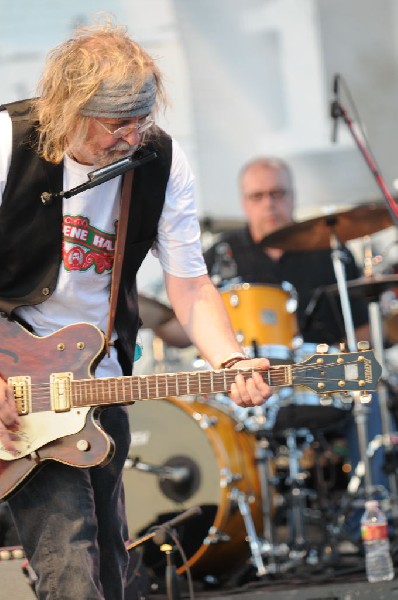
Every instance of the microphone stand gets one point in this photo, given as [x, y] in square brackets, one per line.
[158, 535]
[338, 111]
[158, 531]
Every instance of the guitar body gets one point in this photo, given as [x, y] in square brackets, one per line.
[77, 349]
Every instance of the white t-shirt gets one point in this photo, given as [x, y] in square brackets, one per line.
[89, 222]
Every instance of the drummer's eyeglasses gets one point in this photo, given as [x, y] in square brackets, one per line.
[274, 194]
[138, 126]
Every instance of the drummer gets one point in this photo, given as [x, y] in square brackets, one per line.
[268, 202]
[267, 197]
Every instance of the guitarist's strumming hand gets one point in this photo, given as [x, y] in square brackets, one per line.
[9, 419]
[252, 391]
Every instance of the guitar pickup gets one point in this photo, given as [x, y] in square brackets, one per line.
[61, 391]
[21, 385]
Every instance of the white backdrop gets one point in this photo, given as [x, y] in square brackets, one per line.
[247, 77]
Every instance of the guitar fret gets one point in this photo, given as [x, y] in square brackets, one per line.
[177, 387]
[120, 388]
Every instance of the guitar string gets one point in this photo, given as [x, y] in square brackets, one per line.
[211, 375]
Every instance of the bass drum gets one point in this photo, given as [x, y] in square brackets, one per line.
[218, 459]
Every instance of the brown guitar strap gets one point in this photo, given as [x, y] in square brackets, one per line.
[119, 252]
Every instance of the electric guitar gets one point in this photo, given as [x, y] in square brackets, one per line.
[59, 401]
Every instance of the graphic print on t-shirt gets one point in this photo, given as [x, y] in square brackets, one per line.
[85, 246]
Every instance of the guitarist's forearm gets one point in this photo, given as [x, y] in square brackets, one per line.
[201, 312]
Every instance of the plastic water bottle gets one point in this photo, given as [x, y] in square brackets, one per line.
[374, 533]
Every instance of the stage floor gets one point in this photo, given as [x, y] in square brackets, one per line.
[343, 581]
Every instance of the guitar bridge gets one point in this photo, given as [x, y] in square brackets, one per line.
[21, 385]
[60, 391]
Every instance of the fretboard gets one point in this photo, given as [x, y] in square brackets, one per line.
[124, 390]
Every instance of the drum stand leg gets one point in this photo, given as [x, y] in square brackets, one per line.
[263, 457]
[296, 494]
[253, 539]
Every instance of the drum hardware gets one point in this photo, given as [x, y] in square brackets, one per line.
[372, 287]
[252, 537]
[219, 459]
[176, 474]
[332, 231]
[297, 494]
[266, 545]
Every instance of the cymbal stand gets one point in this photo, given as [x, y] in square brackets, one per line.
[339, 271]
[360, 411]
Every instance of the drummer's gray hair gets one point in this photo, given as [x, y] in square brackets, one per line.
[268, 162]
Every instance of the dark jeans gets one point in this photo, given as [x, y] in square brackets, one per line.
[72, 524]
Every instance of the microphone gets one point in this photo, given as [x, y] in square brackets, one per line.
[335, 112]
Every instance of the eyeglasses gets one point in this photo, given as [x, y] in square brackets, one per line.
[275, 194]
[139, 127]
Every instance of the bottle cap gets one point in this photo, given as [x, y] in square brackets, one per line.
[371, 505]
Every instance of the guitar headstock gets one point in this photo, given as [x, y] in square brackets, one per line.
[339, 372]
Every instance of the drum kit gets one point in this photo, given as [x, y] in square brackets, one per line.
[240, 466]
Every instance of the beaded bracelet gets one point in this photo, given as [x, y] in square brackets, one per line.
[232, 359]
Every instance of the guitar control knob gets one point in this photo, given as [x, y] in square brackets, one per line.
[322, 348]
[83, 445]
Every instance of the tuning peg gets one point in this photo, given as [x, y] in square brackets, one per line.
[363, 346]
[343, 347]
[365, 398]
[322, 348]
[325, 400]
[346, 398]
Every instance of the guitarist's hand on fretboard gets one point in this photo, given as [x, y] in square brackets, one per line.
[9, 419]
[252, 391]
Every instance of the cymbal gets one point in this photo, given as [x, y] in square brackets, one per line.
[314, 234]
[152, 312]
[368, 287]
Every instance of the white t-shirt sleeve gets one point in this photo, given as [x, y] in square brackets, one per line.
[5, 148]
[178, 244]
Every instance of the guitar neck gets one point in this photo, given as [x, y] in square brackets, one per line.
[125, 390]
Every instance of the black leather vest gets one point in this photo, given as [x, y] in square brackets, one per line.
[31, 232]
